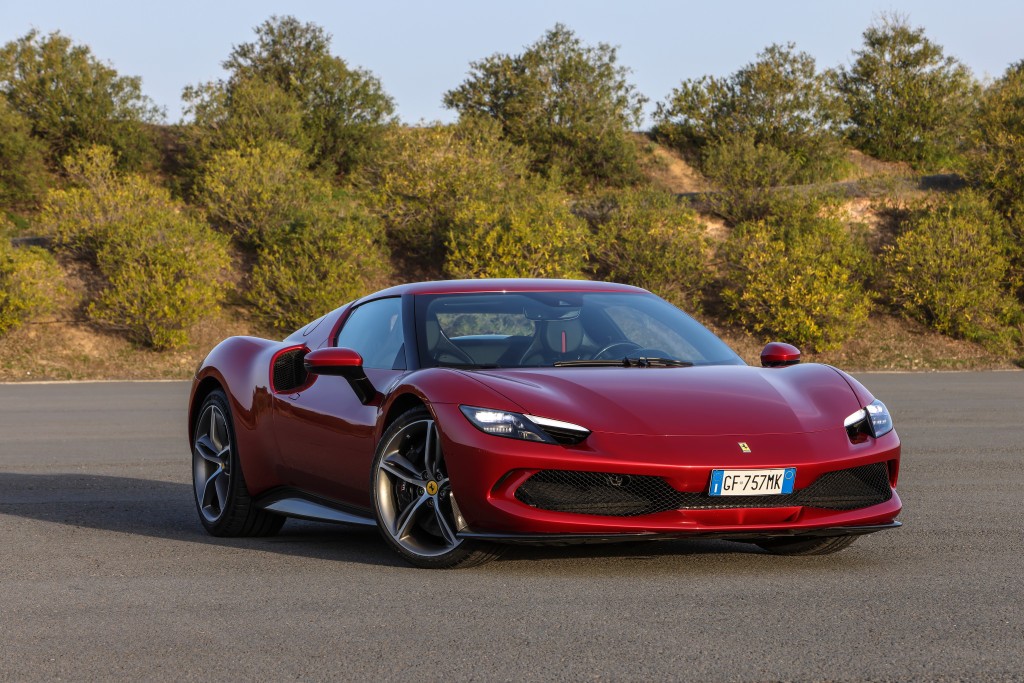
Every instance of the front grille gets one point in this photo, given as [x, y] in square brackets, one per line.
[623, 495]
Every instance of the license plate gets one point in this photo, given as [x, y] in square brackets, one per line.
[752, 482]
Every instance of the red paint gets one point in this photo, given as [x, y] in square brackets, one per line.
[778, 354]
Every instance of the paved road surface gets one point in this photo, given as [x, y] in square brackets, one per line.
[106, 574]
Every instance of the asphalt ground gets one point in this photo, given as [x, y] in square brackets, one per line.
[105, 572]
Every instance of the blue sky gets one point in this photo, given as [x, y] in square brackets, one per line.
[421, 49]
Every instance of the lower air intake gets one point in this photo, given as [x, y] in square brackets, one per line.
[623, 495]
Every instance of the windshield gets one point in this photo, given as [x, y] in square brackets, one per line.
[561, 329]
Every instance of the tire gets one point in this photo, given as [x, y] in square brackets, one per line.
[218, 485]
[413, 502]
[825, 545]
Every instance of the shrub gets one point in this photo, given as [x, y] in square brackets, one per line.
[529, 234]
[570, 104]
[997, 161]
[100, 204]
[22, 165]
[797, 276]
[647, 238]
[949, 268]
[29, 281]
[161, 279]
[255, 192]
[95, 105]
[160, 267]
[780, 100]
[427, 174]
[332, 256]
[745, 174]
[906, 100]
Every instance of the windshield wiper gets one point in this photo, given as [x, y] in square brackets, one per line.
[641, 362]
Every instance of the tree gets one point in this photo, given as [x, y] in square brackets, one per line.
[343, 110]
[73, 100]
[569, 103]
[22, 166]
[997, 160]
[907, 101]
[778, 101]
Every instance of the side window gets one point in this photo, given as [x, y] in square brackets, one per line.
[374, 330]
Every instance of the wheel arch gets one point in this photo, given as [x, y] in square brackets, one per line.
[206, 386]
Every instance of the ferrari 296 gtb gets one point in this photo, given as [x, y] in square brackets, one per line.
[461, 416]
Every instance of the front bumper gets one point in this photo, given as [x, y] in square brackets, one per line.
[487, 470]
[745, 535]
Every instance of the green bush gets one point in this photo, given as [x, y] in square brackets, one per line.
[29, 282]
[950, 268]
[745, 174]
[288, 71]
[569, 103]
[73, 100]
[647, 238]
[161, 279]
[427, 174]
[256, 192]
[906, 100]
[797, 276]
[997, 160]
[780, 101]
[100, 204]
[160, 267]
[531, 234]
[323, 260]
[22, 159]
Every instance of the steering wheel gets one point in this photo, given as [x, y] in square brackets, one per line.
[626, 347]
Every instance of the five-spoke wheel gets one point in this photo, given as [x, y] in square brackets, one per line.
[222, 499]
[416, 510]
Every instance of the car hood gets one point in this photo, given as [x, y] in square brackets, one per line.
[694, 401]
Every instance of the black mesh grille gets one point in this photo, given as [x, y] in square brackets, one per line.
[622, 495]
[289, 373]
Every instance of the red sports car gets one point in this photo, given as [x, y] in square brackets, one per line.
[459, 416]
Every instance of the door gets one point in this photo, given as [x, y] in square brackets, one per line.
[324, 433]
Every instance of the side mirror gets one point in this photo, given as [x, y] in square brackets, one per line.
[342, 363]
[779, 355]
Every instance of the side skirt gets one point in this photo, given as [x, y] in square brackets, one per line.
[295, 503]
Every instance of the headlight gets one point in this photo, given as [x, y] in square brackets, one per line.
[872, 420]
[525, 427]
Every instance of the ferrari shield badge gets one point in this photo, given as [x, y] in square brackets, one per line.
[744, 447]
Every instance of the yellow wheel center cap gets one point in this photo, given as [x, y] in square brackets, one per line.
[432, 487]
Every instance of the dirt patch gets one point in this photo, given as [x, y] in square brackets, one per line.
[669, 171]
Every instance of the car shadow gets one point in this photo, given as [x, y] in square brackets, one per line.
[163, 509]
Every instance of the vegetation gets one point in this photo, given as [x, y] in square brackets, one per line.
[326, 256]
[779, 105]
[648, 238]
[950, 268]
[22, 167]
[797, 275]
[159, 265]
[997, 162]
[569, 104]
[95, 105]
[286, 86]
[290, 189]
[27, 277]
[906, 100]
